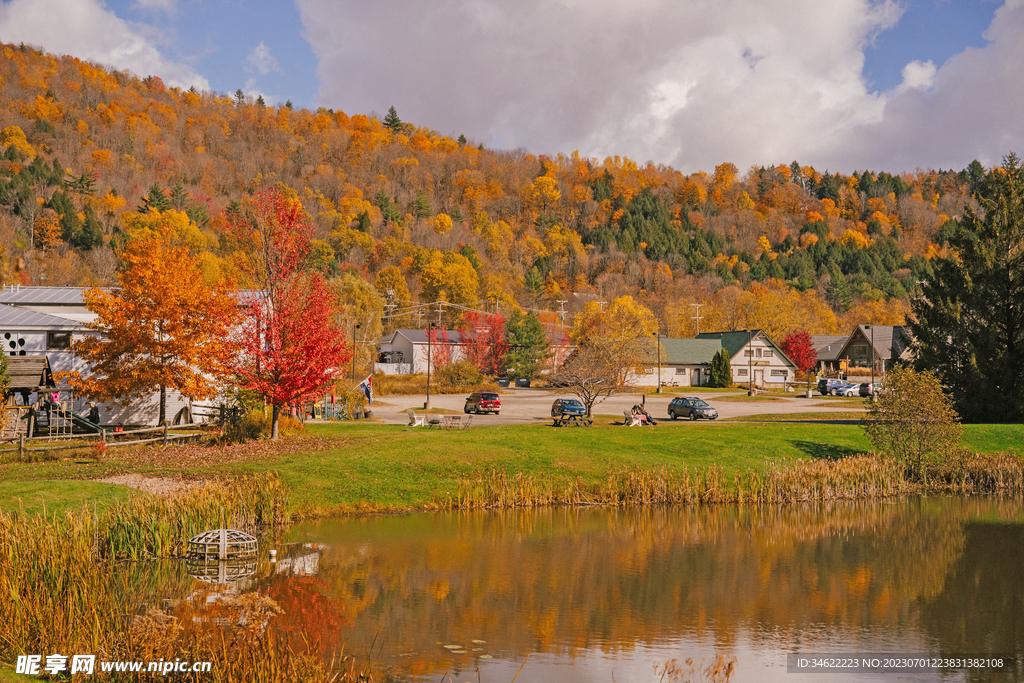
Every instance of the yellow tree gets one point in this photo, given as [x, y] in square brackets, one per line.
[161, 327]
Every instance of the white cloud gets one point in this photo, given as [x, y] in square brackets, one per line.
[261, 60]
[918, 74]
[88, 30]
[691, 84]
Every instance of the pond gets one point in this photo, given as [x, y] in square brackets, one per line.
[603, 594]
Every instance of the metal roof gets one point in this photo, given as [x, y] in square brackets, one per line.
[828, 346]
[54, 296]
[420, 336]
[13, 317]
[689, 351]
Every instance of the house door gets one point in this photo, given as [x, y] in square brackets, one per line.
[759, 378]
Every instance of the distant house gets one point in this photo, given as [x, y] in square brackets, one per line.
[891, 343]
[755, 358]
[404, 352]
[684, 363]
[828, 347]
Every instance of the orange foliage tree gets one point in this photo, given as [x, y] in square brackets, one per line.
[161, 327]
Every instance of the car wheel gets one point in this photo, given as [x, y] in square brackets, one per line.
[466, 410]
[495, 412]
[672, 414]
[693, 416]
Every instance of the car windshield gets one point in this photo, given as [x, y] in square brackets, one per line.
[572, 403]
[698, 403]
[488, 397]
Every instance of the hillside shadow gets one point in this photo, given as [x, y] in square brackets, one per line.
[825, 451]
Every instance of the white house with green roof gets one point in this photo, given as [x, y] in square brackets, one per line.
[755, 358]
[684, 363]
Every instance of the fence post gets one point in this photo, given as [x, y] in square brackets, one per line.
[103, 435]
[165, 436]
[21, 446]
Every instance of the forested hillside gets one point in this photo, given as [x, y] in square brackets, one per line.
[89, 152]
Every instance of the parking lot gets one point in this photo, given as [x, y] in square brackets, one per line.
[526, 406]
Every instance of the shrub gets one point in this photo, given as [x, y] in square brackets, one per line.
[257, 425]
[459, 374]
[721, 370]
[913, 420]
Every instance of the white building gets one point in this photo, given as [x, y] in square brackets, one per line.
[755, 358]
[44, 321]
[404, 352]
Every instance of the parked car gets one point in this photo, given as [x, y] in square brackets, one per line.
[848, 389]
[692, 407]
[825, 385]
[567, 406]
[865, 389]
[483, 402]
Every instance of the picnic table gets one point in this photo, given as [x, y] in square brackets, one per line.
[449, 422]
[573, 421]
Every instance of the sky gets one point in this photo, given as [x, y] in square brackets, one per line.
[842, 85]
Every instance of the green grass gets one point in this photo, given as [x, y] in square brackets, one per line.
[8, 676]
[799, 417]
[372, 466]
[58, 495]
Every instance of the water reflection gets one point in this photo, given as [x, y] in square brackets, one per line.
[589, 592]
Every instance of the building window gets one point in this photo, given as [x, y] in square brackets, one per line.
[779, 373]
[768, 353]
[680, 371]
[742, 372]
[14, 344]
[747, 353]
[58, 341]
[759, 353]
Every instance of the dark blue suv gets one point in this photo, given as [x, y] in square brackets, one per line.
[567, 406]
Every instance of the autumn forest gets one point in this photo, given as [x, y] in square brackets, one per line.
[404, 215]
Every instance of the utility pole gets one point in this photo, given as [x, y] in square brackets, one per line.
[561, 313]
[354, 328]
[601, 304]
[697, 317]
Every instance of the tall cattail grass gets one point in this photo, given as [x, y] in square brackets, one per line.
[860, 477]
[67, 590]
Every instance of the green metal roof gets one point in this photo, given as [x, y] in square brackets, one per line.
[732, 342]
[689, 351]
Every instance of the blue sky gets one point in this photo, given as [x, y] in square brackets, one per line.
[843, 84]
[928, 30]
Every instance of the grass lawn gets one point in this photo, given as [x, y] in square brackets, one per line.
[57, 495]
[799, 417]
[353, 465]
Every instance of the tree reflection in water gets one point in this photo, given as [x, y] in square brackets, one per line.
[566, 583]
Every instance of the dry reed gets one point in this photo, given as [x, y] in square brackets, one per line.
[65, 592]
[860, 477]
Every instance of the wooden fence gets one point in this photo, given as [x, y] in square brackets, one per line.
[110, 438]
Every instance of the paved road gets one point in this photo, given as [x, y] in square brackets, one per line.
[524, 406]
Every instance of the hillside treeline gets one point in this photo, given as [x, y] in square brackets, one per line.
[88, 151]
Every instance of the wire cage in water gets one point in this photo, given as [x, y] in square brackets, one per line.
[221, 544]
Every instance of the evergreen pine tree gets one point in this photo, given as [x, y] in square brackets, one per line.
[721, 370]
[391, 120]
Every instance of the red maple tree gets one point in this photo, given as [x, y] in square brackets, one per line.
[440, 347]
[483, 341]
[799, 348]
[290, 348]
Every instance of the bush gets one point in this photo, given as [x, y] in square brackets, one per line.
[721, 370]
[257, 425]
[458, 374]
[913, 420]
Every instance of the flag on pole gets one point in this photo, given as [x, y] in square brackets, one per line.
[366, 386]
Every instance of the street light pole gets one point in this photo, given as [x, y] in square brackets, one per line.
[657, 342]
[750, 363]
[872, 328]
[430, 326]
[354, 328]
